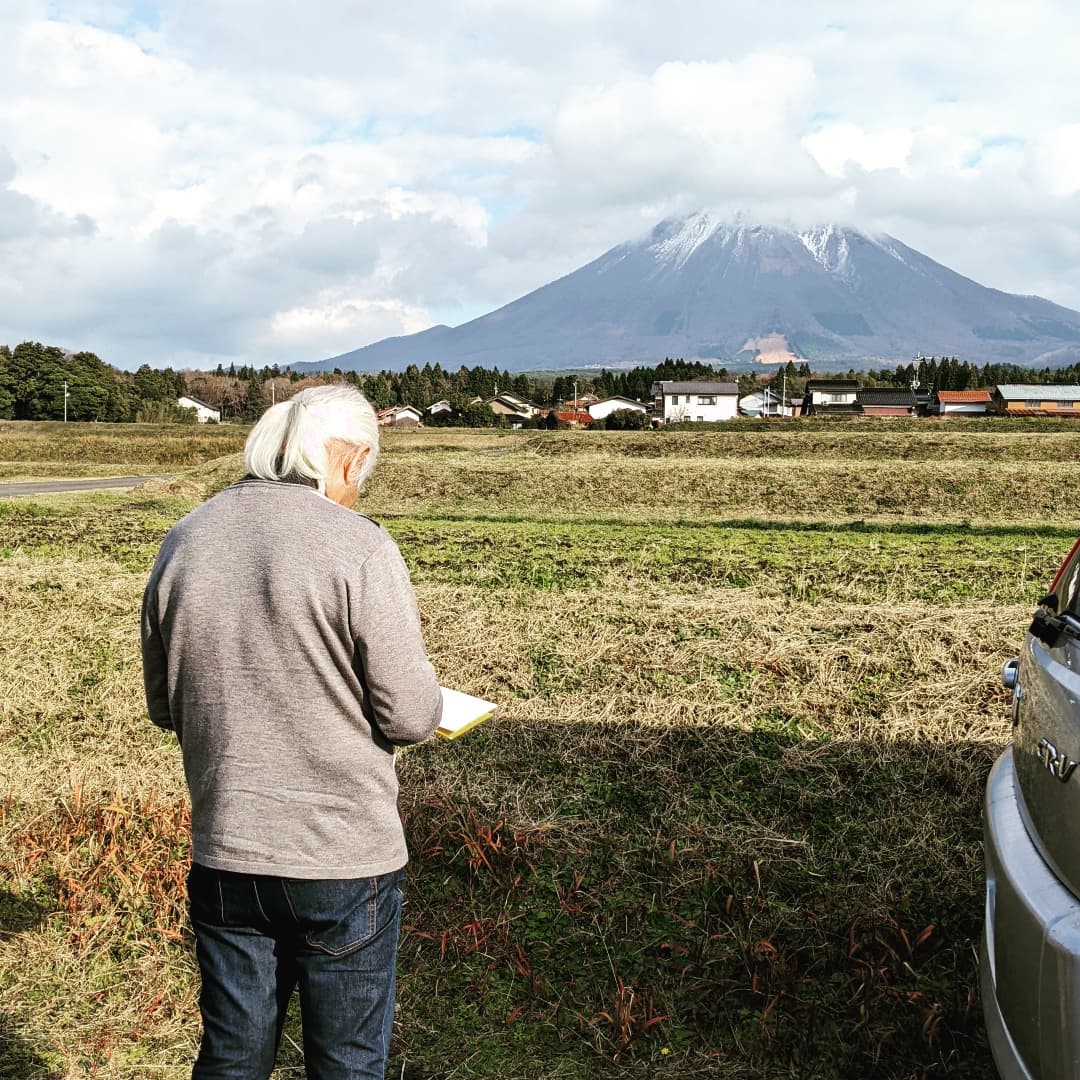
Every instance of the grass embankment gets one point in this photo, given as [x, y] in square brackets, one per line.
[38, 450]
[726, 824]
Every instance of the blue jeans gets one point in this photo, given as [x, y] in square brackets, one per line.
[256, 938]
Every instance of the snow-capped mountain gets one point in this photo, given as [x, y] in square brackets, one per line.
[700, 287]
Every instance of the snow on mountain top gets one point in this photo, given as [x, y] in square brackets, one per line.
[677, 247]
[829, 247]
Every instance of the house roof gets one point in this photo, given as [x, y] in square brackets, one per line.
[198, 401]
[703, 387]
[509, 395]
[1037, 392]
[832, 385]
[963, 397]
[574, 417]
[619, 397]
[514, 406]
[884, 396]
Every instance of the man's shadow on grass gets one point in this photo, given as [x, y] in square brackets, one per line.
[770, 900]
[18, 1059]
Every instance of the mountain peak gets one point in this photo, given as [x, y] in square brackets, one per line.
[710, 288]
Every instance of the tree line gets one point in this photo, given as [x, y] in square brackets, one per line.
[33, 379]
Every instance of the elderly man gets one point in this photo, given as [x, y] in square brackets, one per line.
[282, 644]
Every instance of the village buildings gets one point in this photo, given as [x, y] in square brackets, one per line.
[709, 400]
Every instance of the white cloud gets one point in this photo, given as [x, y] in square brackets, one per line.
[838, 146]
[334, 324]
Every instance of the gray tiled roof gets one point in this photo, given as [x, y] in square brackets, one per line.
[1036, 392]
[885, 396]
[703, 387]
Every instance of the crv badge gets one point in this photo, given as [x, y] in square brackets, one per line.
[1060, 766]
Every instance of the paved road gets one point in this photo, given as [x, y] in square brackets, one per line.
[85, 483]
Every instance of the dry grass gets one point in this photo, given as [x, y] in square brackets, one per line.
[475, 483]
[737, 825]
[595, 487]
[147, 447]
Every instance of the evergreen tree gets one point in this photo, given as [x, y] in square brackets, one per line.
[253, 401]
[7, 398]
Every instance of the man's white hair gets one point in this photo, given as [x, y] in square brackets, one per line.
[292, 439]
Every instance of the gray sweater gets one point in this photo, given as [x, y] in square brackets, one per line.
[282, 644]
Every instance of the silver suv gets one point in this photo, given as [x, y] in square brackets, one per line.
[1030, 964]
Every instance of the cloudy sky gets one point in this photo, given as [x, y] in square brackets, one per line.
[269, 181]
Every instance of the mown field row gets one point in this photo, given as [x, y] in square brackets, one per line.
[854, 562]
[160, 446]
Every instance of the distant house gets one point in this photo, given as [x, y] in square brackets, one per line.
[703, 400]
[885, 401]
[1031, 399]
[400, 416]
[961, 402]
[765, 402]
[204, 413]
[831, 397]
[600, 410]
[512, 406]
[440, 408]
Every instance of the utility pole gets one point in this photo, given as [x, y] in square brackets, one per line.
[65, 401]
[575, 396]
[273, 393]
[783, 396]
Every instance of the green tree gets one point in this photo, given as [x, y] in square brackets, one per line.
[627, 420]
[478, 415]
[7, 398]
[253, 401]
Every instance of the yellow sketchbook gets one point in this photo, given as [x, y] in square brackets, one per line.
[461, 713]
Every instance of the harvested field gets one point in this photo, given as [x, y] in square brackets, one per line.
[726, 822]
[135, 448]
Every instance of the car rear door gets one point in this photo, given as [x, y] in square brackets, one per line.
[1047, 735]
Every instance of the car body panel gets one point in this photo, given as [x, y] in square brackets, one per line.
[1030, 958]
[1047, 742]
[1031, 945]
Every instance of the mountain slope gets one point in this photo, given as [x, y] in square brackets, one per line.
[700, 288]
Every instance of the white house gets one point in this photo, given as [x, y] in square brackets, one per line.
[704, 400]
[203, 413]
[440, 407]
[599, 410]
[831, 397]
[765, 403]
[962, 402]
[400, 416]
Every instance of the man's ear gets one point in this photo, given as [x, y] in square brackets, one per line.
[354, 465]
